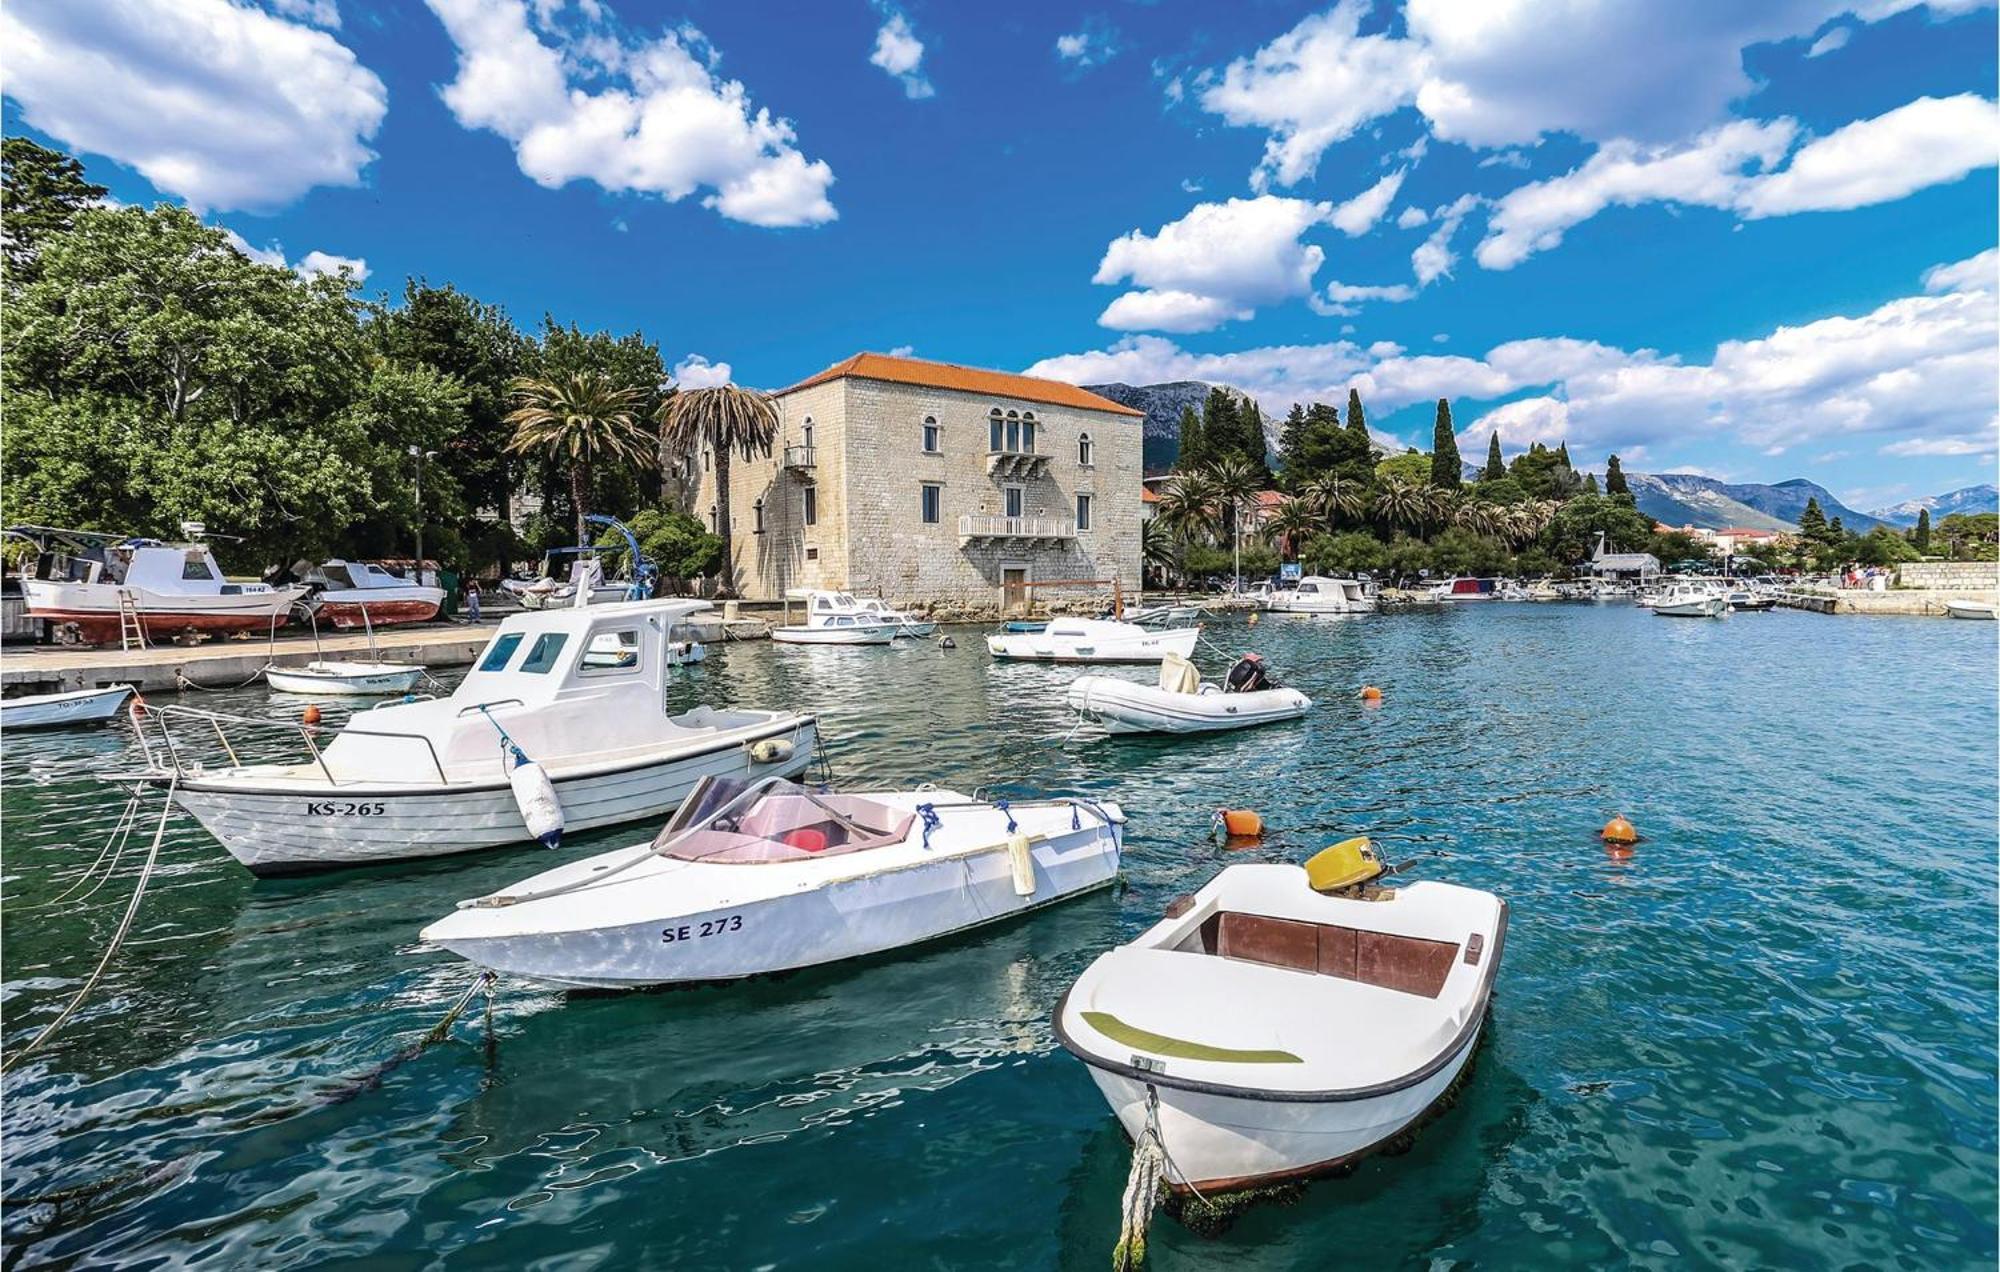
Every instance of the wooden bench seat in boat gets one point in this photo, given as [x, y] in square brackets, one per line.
[1408, 964]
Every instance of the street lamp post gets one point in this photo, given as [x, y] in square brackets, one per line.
[420, 455]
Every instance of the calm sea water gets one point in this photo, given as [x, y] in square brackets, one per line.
[1768, 1039]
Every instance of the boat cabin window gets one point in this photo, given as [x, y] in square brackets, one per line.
[194, 565]
[337, 576]
[541, 657]
[1304, 588]
[612, 651]
[501, 650]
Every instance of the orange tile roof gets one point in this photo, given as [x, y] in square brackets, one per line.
[1148, 495]
[946, 375]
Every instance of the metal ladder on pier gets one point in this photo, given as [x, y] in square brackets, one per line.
[131, 631]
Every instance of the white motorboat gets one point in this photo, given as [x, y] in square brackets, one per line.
[1749, 600]
[769, 876]
[1164, 616]
[1469, 589]
[586, 575]
[1285, 1020]
[360, 594]
[904, 625]
[345, 678]
[111, 587]
[53, 710]
[1977, 610]
[1316, 594]
[1179, 703]
[1094, 640]
[561, 723]
[832, 618]
[1689, 600]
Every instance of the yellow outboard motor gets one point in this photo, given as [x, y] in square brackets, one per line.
[1347, 864]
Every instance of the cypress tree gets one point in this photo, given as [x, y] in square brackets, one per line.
[1193, 451]
[1920, 538]
[1447, 470]
[1812, 522]
[1357, 419]
[1292, 445]
[1495, 467]
[1250, 436]
[1835, 532]
[1562, 453]
[1590, 483]
[1614, 478]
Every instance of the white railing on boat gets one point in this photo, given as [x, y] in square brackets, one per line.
[165, 717]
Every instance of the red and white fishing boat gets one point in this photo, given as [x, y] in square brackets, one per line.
[109, 585]
[350, 587]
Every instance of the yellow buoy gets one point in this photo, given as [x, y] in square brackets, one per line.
[1371, 694]
[1253, 618]
[1619, 831]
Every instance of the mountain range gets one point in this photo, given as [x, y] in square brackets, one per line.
[1972, 499]
[1676, 499]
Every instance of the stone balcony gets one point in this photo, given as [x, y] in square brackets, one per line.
[972, 529]
[800, 458]
[1023, 464]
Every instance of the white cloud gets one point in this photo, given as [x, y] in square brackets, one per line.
[223, 105]
[1359, 214]
[1190, 186]
[697, 372]
[1928, 142]
[1313, 86]
[1975, 273]
[1094, 45]
[900, 53]
[315, 263]
[1217, 263]
[1411, 218]
[319, 13]
[902, 351]
[1434, 258]
[1834, 39]
[1506, 159]
[1921, 366]
[273, 255]
[645, 116]
[1341, 293]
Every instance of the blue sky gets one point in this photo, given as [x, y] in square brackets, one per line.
[1739, 239]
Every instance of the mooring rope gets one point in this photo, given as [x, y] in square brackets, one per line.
[1142, 1195]
[120, 834]
[117, 938]
[438, 1033]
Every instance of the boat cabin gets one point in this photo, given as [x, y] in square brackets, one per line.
[1461, 589]
[1316, 587]
[182, 569]
[341, 576]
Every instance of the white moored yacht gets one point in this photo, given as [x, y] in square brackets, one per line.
[1690, 600]
[1094, 640]
[113, 587]
[1318, 595]
[770, 876]
[834, 618]
[561, 723]
[359, 594]
[1285, 1020]
[906, 626]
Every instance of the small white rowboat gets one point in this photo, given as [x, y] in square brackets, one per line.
[50, 710]
[346, 678]
[1180, 703]
[1094, 640]
[1978, 610]
[1268, 1032]
[768, 876]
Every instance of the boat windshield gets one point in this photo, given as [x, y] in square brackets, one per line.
[783, 822]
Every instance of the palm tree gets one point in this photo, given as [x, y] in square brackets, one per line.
[1292, 522]
[725, 419]
[1480, 517]
[1157, 549]
[1337, 499]
[1402, 503]
[1187, 508]
[1237, 484]
[581, 418]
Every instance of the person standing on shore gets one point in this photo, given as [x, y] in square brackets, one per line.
[472, 599]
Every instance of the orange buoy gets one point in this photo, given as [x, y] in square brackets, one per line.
[1371, 694]
[138, 704]
[1620, 832]
[1241, 823]
[311, 715]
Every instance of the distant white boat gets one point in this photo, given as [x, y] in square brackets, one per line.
[1094, 640]
[1179, 703]
[345, 678]
[52, 710]
[358, 594]
[1316, 594]
[1468, 589]
[112, 587]
[833, 618]
[1978, 610]
[1688, 600]
[905, 626]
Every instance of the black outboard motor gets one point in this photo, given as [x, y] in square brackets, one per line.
[1249, 675]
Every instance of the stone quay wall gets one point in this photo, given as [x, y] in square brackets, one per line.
[1973, 576]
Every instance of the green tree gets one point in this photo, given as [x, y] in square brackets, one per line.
[1192, 449]
[1292, 445]
[1496, 468]
[581, 420]
[1614, 478]
[725, 419]
[1920, 538]
[1344, 554]
[1812, 521]
[1357, 419]
[1883, 546]
[1447, 470]
[673, 540]
[1590, 484]
[1410, 466]
[1573, 528]
[1291, 524]
[1237, 482]
[1189, 508]
[41, 192]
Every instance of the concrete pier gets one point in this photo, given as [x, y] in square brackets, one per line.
[53, 668]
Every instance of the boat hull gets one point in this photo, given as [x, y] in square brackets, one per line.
[1041, 647]
[349, 679]
[833, 635]
[306, 829]
[1232, 1142]
[55, 710]
[348, 612]
[844, 919]
[1124, 707]
[94, 609]
[1713, 607]
[1975, 610]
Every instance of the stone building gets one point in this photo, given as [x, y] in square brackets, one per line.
[926, 482]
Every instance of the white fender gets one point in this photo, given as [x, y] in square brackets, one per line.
[535, 795]
[771, 750]
[1023, 863]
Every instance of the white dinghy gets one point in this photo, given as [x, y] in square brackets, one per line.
[353, 679]
[769, 876]
[1179, 703]
[562, 723]
[1285, 1020]
[1979, 611]
[53, 710]
[1094, 640]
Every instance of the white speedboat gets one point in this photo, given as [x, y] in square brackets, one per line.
[770, 876]
[904, 625]
[1469, 589]
[345, 678]
[52, 710]
[1688, 600]
[1977, 610]
[1749, 600]
[1266, 1031]
[359, 594]
[1094, 640]
[1316, 594]
[1179, 703]
[112, 587]
[561, 723]
[833, 618]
